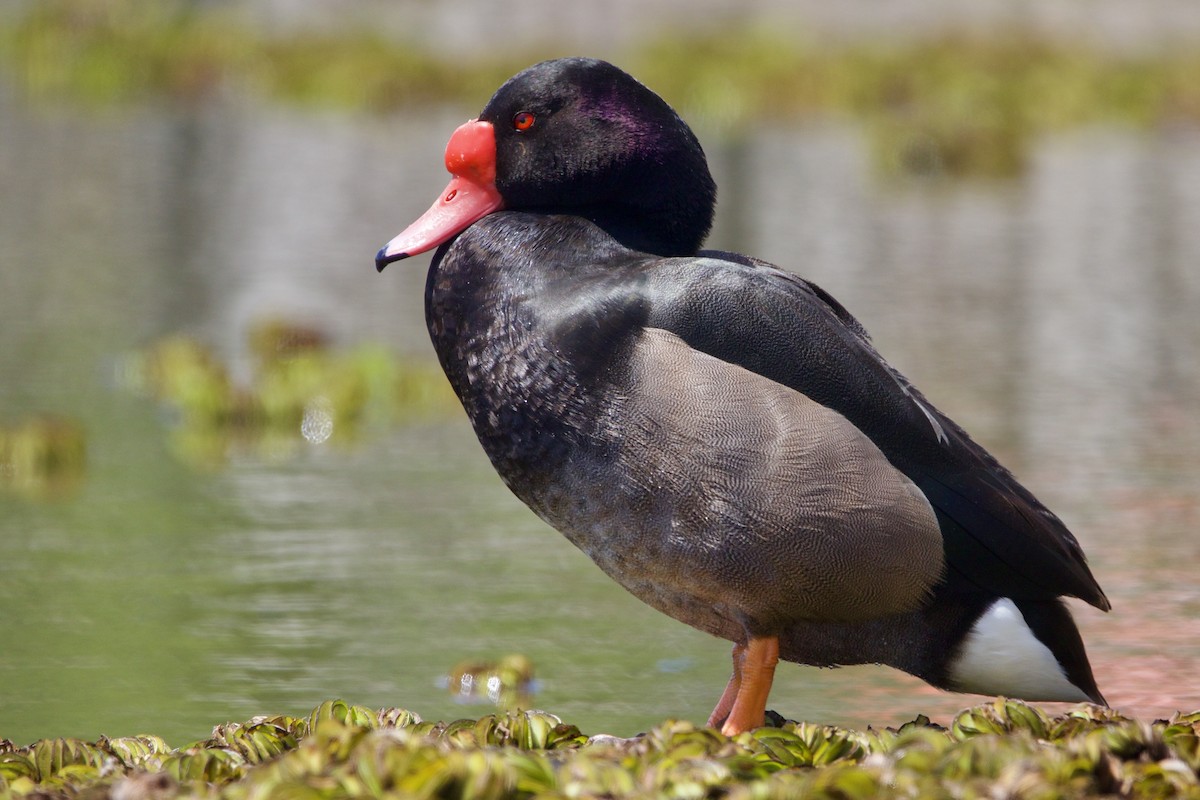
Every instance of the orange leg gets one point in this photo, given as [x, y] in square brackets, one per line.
[725, 704]
[758, 660]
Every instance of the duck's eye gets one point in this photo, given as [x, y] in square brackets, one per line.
[523, 121]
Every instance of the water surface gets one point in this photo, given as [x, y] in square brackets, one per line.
[1053, 316]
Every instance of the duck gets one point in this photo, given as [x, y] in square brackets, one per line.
[718, 434]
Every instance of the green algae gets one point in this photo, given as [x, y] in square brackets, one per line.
[954, 104]
[1000, 749]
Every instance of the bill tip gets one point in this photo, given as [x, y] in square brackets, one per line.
[383, 258]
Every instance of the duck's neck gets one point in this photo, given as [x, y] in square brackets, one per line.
[664, 209]
[662, 232]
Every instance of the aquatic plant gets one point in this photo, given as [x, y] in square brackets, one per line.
[958, 104]
[1000, 749]
[302, 390]
[42, 457]
[507, 682]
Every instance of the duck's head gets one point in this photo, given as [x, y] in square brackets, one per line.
[574, 136]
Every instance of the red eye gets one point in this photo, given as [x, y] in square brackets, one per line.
[523, 121]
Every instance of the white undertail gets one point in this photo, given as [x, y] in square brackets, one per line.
[1001, 656]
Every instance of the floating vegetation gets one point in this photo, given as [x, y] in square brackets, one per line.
[1001, 749]
[955, 105]
[507, 682]
[113, 51]
[301, 392]
[42, 457]
[958, 105]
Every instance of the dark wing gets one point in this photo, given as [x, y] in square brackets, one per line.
[998, 537]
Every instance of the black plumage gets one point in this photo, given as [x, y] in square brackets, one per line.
[721, 436]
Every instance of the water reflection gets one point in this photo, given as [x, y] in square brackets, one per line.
[1053, 316]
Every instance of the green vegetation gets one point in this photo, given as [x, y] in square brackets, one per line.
[958, 105]
[42, 457]
[1002, 749]
[111, 51]
[506, 683]
[301, 390]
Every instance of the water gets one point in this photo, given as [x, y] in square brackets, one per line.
[1054, 316]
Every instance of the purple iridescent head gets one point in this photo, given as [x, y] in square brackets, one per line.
[574, 136]
[580, 136]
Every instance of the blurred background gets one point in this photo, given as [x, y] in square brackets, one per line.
[233, 481]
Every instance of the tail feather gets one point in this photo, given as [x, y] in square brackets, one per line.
[1053, 625]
